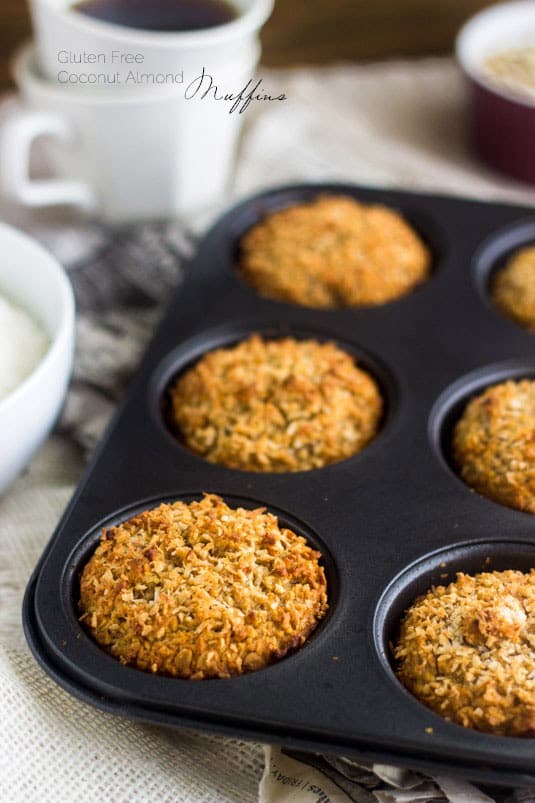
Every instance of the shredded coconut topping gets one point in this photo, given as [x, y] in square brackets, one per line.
[494, 444]
[468, 651]
[202, 590]
[514, 69]
[334, 252]
[280, 405]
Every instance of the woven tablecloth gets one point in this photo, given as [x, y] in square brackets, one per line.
[396, 123]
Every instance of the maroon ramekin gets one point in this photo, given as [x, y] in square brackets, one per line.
[502, 122]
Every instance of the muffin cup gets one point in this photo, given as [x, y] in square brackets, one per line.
[439, 568]
[69, 580]
[453, 401]
[189, 353]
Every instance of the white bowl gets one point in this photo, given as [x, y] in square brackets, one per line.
[31, 278]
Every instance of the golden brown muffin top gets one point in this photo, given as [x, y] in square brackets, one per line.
[467, 650]
[202, 590]
[276, 405]
[513, 288]
[494, 444]
[334, 252]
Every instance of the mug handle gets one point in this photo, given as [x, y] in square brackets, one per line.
[17, 137]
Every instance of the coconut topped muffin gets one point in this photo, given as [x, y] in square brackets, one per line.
[202, 590]
[275, 405]
[334, 252]
[513, 288]
[467, 650]
[494, 444]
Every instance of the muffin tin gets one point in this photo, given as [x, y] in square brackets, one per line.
[389, 521]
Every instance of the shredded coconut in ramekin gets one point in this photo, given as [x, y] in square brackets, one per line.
[514, 69]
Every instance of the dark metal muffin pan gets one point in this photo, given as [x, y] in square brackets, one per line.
[389, 521]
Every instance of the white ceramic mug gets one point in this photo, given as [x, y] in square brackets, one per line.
[128, 155]
[60, 30]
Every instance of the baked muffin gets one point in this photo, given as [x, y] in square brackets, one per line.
[202, 590]
[494, 444]
[513, 288]
[467, 651]
[334, 252]
[275, 405]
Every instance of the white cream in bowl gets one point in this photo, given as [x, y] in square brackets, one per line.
[36, 347]
[23, 344]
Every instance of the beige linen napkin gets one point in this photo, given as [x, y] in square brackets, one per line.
[397, 123]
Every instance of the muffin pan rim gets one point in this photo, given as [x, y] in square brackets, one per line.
[116, 709]
[473, 772]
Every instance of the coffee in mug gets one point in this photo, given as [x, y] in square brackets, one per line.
[160, 15]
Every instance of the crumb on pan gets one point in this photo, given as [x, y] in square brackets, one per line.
[513, 288]
[275, 405]
[202, 590]
[334, 252]
[466, 650]
[494, 444]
